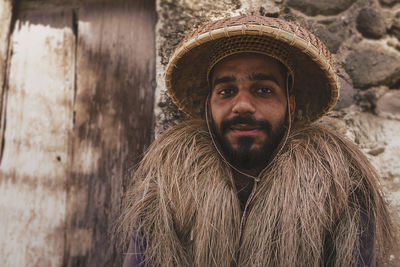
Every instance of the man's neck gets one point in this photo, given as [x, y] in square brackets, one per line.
[244, 186]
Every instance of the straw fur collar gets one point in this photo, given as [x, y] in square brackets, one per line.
[306, 210]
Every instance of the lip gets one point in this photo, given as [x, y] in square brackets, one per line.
[245, 130]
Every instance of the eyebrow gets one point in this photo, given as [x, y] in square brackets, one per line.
[252, 77]
[224, 79]
[263, 77]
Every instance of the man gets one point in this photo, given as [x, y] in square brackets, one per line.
[251, 179]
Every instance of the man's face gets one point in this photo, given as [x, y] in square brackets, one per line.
[248, 106]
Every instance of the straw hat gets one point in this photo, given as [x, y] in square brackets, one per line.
[316, 87]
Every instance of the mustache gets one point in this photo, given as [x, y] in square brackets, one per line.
[249, 120]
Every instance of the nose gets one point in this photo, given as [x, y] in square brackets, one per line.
[243, 104]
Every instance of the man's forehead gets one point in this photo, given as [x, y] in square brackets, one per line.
[249, 66]
[246, 61]
[247, 57]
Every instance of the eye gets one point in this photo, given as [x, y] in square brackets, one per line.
[264, 90]
[226, 91]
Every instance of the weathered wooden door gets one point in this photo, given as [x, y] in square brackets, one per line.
[77, 84]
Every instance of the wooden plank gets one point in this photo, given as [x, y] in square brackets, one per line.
[5, 24]
[114, 113]
[39, 113]
[25, 5]
[6, 10]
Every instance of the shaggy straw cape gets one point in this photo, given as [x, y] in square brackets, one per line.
[313, 206]
[307, 59]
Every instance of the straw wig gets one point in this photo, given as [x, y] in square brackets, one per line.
[307, 59]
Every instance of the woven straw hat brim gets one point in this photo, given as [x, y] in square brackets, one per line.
[316, 86]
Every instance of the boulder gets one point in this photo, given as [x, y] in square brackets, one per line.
[370, 23]
[389, 104]
[367, 99]
[371, 66]
[389, 2]
[322, 7]
[346, 97]
[332, 39]
[269, 10]
[395, 29]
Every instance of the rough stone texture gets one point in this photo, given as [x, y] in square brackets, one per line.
[269, 11]
[372, 65]
[370, 23]
[332, 35]
[367, 99]
[388, 105]
[334, 31]
[262, 7]
[324, 7]
[389, 2]
[377, 137]
[392, 42]
[395, 30]
[347, 93]
[372, 132]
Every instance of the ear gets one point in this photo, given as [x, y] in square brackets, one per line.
[292, 105]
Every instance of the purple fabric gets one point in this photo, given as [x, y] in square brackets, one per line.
[135, 255]
[367, 257]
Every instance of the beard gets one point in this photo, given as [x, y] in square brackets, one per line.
[244, 157]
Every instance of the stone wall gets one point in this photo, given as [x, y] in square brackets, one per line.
[364, 37]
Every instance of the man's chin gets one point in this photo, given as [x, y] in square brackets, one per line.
[245, 155]
[253, 148]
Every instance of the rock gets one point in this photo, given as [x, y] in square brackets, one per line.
[370, 66]
[395, 29]
[389, 104]
[269, 11]
[332, 40]
[332, 31]
[392, 42]
[346, 97]
[376, 151]
[389, 2]
[323, 7]
[368, 99]
[370, 23]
